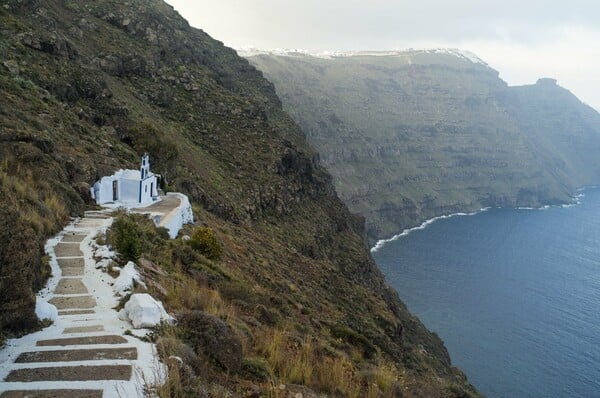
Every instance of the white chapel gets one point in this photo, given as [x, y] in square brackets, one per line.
[130, 188]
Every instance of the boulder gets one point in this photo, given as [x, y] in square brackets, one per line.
[144, 312]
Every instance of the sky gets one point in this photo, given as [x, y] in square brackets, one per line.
[522, 39]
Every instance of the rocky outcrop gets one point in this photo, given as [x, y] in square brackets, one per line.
[413, 135]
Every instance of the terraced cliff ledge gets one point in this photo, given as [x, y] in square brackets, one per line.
[412, 135]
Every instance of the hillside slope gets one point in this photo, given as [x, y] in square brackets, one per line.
[88, 86]
[413, 135]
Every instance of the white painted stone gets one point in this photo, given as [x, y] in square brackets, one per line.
[144, 311]
[127, 278]
[183, 214]
[45, 310]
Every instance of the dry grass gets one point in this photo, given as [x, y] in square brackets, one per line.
[175, 383]
[185, 293]
[37, 203]
[299, 362]
[290, 357]
[302, 362]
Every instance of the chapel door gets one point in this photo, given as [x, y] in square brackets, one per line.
[115, 191]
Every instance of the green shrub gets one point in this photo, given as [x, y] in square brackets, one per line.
[125, 237]
[352, 337]
[185, 255]
[205, 242]
[270, 316]
[255, 368]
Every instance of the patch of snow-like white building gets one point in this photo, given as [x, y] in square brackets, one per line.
[129, 188]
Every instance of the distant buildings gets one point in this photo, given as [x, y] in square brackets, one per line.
[129, 188]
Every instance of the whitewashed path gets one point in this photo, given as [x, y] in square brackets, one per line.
[86, 352]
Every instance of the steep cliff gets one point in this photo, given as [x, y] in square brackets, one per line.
[413, 135]
[86, 87]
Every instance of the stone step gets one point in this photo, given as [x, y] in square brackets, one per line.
[76, 302]
[73, 238]
[72, 271]
[71, 373]
[89, 222]
[75, 312]
[52, 394]
[86, 319]
[77, 355]
[87, 340]
[71, 262]
[97, 216]
[84, 329]
[67, 250]
[70, 286]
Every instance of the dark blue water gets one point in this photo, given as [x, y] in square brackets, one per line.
[514, 294]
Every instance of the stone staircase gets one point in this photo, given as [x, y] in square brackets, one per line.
[86, 352]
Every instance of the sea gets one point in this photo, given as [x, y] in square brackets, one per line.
[514, 294]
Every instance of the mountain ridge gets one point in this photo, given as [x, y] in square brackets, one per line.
[421, 134]
[253, 51]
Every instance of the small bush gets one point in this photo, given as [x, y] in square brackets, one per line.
[134, 234]
[255, 368]
[352, 337]
[125, 238]
[270, 316]
[205, 242]
[209, 335]
[185, 255]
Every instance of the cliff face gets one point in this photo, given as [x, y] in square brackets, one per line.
[413, 135]
[87, 86]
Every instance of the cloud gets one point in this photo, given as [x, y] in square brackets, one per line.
[337, 23]
[524, 40]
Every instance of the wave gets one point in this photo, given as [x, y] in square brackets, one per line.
[576, 201]
[424, 224]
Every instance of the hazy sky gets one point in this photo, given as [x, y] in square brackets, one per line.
[522, 39]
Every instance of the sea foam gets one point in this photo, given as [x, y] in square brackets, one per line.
[424, 224]
[380, 243]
